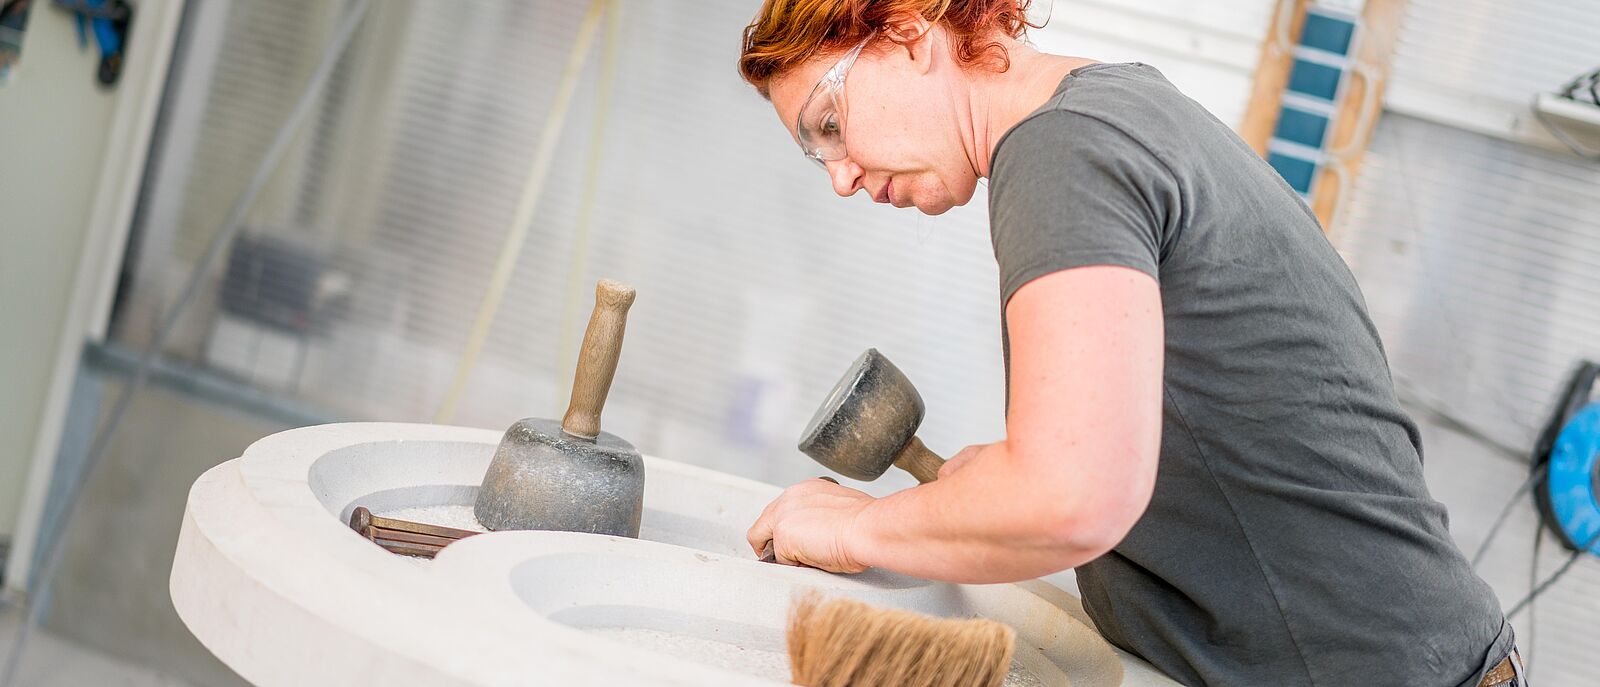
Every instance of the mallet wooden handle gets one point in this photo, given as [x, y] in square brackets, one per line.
[597, 360]
[919, 461]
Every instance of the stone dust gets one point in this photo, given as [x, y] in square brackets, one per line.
[457, 515]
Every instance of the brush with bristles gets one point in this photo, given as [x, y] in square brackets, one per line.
[843, 642]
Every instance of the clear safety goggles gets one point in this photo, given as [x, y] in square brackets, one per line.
[820, 125]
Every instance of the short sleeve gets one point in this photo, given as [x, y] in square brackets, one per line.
[1070, 190]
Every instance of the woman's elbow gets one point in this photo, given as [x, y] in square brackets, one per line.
[1093, 534]
[1097, 517]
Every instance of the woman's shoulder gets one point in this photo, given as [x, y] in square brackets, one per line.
[1117, 93]
[1095, 106]
[1110, 108]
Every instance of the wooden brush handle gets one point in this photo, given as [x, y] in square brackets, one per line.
[597, 360]
[919, 461]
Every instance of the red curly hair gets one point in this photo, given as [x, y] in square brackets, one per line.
[786, 33]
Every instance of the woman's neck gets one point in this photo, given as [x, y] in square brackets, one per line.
[998, 102]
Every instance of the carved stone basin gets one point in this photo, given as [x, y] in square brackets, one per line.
[268, 576]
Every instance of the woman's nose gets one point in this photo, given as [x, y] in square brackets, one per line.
[846, 177]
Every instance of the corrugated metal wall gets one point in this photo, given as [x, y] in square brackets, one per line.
[757, 285]
[1207, 49]
[1478, 257]
[1478, 254]
[1476, 64]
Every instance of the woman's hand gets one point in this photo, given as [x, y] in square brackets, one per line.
[961, 459]
[810, 524]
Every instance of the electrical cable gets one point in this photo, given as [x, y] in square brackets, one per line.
[1533, 574]
[1409, 394]
[1454, 423]
[54, 553]
[1505, 512]
[1542, 586]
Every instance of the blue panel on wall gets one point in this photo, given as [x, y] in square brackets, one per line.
[1297, 171]
[1327, 33]
[1315, 80]
[1298, 126]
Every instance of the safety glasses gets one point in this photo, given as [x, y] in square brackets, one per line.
[820, 125]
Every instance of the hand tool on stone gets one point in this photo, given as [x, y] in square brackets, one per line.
[768, 555]
[869, 422]
[403, 536]
[571, 476]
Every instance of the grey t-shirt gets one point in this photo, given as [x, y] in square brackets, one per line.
[1291, 539]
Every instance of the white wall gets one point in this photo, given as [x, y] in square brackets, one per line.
[1477, 257]
[1476, 240]
[53, 123]
[71, 155]
[1207, 49]
[701, 199]
[1476, 64]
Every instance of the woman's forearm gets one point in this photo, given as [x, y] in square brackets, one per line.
[997, 519]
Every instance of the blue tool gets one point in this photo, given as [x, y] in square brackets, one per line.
[1569, 449]
[108, 21]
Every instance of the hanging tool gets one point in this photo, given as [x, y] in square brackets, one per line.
[109, 22]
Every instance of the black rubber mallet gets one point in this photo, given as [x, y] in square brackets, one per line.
[869, 423]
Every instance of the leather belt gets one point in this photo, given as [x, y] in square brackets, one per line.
[1500, 674]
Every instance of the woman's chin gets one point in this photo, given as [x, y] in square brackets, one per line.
[937, 205]
[950, 198]
[937, 197]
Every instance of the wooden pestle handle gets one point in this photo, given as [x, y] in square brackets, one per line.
[919, 461]
[597, 360]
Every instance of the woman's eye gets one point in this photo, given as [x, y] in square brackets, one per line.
[830, 125]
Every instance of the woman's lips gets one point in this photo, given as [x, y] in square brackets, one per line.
[886, 194]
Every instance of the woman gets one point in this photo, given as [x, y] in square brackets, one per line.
[1200, 417]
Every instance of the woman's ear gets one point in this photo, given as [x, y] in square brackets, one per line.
[910, 30]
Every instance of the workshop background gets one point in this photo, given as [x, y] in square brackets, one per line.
[1468, 207]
